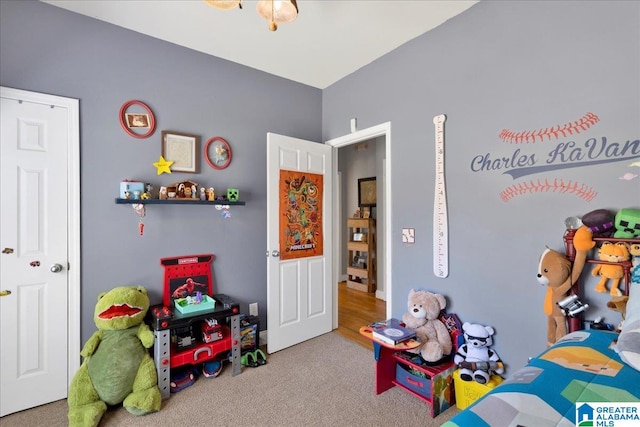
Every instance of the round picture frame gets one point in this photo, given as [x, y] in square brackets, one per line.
[222, 152]
[149, 120]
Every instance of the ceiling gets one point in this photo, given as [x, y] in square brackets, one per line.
[329, 40]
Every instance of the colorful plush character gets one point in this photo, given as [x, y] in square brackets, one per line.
[117, 367]
[423, 316]
[610, 252]
[558, 275]
[634, 252]
[600, 222]
[476, 359]
[627, 224]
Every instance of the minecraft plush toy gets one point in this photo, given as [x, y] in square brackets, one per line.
[117, 367]
[476, 359]
[424, 310]
[558, 275]
[627, 223]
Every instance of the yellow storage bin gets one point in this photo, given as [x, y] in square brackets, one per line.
[468, 392]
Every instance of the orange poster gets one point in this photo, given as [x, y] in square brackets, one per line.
[300, 214]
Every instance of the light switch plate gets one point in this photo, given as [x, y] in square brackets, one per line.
[408, 235]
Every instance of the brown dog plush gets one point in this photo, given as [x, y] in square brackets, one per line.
[557, 273]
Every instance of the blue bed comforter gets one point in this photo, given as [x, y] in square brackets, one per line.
[582, 367]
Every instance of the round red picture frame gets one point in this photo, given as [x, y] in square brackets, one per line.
[218, 163]
[125, 126]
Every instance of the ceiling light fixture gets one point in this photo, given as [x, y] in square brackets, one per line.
[224, 4]
[277, 12]
[274, 11]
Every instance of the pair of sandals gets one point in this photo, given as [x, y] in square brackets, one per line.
[254, 359]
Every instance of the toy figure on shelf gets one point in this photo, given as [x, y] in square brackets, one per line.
[211, 194]
[203, 194]
[610, 252]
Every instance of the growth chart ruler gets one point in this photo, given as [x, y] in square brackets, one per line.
[440, 231]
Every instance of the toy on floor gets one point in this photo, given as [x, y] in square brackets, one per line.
[475, 357]
[182, 377]
[211, 368]
[117, 367]
[610, 252]
[424, 310]
[558, 275]
[253, 359]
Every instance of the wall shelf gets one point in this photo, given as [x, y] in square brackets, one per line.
[177, 202]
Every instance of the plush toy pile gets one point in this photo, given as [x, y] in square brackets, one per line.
[423, 316]
[117, 367]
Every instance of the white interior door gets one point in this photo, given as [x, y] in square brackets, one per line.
[299, 291]
[34, 256]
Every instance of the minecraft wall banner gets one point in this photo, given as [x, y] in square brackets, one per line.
[300, 214]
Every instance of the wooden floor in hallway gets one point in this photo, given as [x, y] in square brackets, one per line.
[356, 309]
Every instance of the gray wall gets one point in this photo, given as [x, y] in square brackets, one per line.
[47, 49]
[516, 65]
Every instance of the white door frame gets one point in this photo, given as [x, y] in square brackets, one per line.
[383, 129]
[73, 212]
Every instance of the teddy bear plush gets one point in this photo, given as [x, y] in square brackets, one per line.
[557, 273]
[475, 357]
[117, 367]
[423, 317]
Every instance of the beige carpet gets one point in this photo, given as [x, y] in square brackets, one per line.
[326, 381]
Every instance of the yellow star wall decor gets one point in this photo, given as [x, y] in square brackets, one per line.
[163, 166]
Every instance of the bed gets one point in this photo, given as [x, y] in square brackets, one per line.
[584, 366]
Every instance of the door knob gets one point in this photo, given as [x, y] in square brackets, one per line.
[275, 254]
[56, 268]
[5, 293]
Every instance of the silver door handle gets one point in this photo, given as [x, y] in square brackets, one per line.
[275, 254]
[56, 268]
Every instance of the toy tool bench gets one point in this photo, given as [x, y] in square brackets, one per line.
[189, 307]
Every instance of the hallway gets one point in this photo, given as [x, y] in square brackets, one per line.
[356, 309]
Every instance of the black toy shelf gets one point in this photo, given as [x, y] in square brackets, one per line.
[177, 202]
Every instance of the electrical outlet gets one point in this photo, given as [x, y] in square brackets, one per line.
[253, 309]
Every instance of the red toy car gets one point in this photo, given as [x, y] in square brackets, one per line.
[211, 330]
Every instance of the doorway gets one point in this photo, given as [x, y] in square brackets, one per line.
[377, 139]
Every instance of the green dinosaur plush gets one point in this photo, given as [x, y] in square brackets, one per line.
[117, 367]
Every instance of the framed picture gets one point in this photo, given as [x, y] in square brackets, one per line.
[182, 149]
[136, 123]
[367, 192]
[217, 153]
[136, 120]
